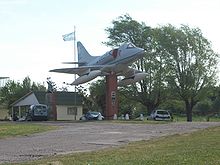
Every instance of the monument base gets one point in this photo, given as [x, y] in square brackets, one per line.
[51, 102]
[111, 96]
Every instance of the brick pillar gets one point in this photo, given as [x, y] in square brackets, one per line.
[51, 102]
[111, 96]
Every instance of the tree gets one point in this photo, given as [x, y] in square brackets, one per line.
[97, 95]
[214, 96]
[14, 90]
[129, 106]
[51, 86]
[86, 101]
[191, 63]
[11, 92]
[150, 91]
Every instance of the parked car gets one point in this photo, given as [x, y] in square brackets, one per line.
[160, 115]
[91, 115]
[37, 112]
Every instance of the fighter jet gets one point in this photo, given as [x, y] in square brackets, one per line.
[114, 61]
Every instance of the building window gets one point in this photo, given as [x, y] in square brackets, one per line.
[71, 110]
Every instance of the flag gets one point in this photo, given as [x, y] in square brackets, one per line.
[68, 37]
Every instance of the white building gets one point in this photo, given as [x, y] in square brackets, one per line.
[63, 105]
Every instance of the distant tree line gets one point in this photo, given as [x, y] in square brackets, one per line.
[13, 90]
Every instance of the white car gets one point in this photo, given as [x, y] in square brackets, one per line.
[92, 116]
[160, 115]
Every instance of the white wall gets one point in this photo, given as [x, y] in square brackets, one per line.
[29, 100]
[62, 113]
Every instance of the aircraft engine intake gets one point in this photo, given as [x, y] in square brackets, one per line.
[87, 77]
[132, 79]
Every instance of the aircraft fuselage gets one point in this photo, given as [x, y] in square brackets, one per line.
[125, 54]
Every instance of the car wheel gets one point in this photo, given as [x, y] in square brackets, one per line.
[83, 118]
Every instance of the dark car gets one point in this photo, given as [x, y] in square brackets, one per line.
[92, 116]
[37, 112]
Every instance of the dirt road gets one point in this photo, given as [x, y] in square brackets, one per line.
[87, 136]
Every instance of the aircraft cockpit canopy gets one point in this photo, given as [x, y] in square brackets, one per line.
[130, 45]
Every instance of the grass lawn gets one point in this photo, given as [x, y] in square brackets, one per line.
[198, 148]
[197, 118]
[10, 129]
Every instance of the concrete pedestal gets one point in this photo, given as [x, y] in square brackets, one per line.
[111, 96]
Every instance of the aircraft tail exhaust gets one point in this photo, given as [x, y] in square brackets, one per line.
[83, 56]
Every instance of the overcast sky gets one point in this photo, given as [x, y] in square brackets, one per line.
[31, 30]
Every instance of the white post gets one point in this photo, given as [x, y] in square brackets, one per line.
[141, 117]
[100, 117]
[126, 117]
[12, 113]
[115, 117]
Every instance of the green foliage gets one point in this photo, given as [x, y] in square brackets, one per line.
[125, 29]
[203, 107]
[210, 104]
[216, 105]
[216, 100]
[51, 86]
[128, 106]
[97, 96]
[174, 106]
[15, 90]
[190, 60]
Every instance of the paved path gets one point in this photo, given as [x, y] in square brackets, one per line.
[87, 136]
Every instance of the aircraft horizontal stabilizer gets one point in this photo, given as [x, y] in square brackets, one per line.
[80, 63]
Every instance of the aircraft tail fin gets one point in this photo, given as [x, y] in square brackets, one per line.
[83, 56]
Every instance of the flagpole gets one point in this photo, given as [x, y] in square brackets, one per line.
[74, 40]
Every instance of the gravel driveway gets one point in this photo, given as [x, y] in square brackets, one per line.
[87, 136]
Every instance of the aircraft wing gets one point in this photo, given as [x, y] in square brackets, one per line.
[68, 70]
[80, 70]
[121, 70]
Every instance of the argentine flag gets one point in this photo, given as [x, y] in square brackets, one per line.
[68, 37]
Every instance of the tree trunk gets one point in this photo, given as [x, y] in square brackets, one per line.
[150, 107]
[188, 111]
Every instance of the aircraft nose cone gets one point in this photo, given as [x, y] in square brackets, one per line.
[141, 51]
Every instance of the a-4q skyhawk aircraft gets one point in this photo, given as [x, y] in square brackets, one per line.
[116, 60]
